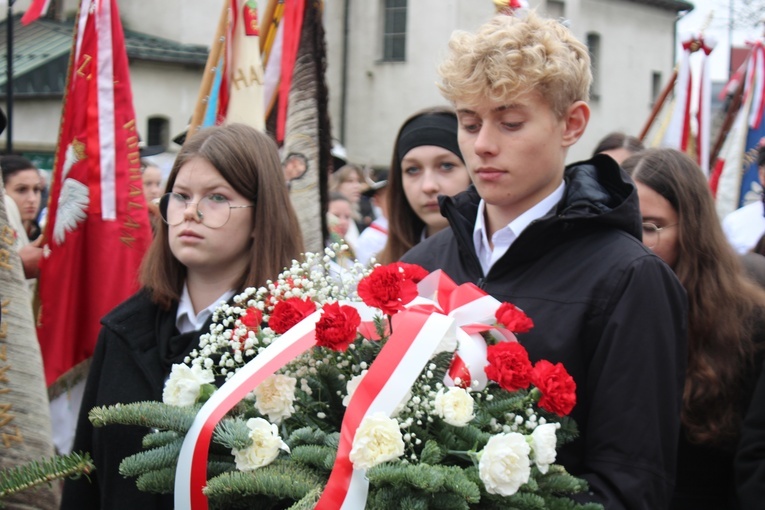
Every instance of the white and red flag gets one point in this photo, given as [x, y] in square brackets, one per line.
[36, 10]
[98, 225]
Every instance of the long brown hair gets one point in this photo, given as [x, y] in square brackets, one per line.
[404, 226]
[724, 306]
[249, 161]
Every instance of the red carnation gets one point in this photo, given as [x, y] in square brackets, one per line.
[556, 385]
[411, 271]
[289, 312]
[388, 288]
[509, 366]
[336, 329]
[513, 318]
[252, 318]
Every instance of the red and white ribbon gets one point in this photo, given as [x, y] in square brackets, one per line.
[460, 312]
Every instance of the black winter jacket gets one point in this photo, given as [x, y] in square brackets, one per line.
[607, 308]
[136, 349]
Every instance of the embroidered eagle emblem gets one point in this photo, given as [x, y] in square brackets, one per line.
[74, 198]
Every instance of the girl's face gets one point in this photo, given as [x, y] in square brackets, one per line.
[351, 188]
[25, 188]
[341, 210]
[656, 210]
[152, 180]
[224, 250]
[429, 171]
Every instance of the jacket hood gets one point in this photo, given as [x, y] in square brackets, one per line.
[598, 193]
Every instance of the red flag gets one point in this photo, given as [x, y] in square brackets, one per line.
[98, 225]
[36, 9]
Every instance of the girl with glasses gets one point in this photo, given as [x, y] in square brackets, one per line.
[726, 322]
[228, 224]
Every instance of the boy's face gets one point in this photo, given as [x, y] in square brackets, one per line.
[515, 152]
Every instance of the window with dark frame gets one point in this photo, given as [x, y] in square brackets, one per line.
[394, 31]
[158, 131]
[593, 44]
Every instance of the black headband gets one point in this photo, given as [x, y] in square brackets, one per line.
[437, 129]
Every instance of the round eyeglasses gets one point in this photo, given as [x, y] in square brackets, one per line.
[652, 232]
[212, 210]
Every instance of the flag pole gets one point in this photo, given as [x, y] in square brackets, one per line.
[209, 72]
[657, 106]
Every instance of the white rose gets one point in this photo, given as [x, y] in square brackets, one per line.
[378, 439]
[182, 387]
[351, 386]
[265, 446]
[543, 446]
[455, 406]
[504, 464]
[274, 397]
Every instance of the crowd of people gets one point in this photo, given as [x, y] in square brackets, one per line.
[655, 306]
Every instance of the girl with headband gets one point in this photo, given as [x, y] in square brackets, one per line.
[427, 162]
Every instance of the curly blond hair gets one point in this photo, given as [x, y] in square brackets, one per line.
[511, 56]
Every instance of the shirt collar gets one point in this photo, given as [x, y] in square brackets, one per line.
[185, 318]
[520, 223]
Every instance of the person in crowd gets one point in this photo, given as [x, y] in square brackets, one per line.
[426, 163]
[750, 457]
[294, 166]
[619, 146]
[151, 178]
[372, 240]
[228, 224]
[23, 185]
[746, 225]
[564, 245]
[339, 220]
[348, 180]
[726, 322]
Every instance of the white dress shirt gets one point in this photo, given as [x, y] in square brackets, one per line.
[185, 318]
[501, 240]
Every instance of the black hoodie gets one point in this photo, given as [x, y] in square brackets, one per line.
[607, 308]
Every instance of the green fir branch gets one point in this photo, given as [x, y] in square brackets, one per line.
[162, 481]
[432, 453]
[308, 502]
[233, 433]
[146, 414]
[159, 438]
[280, 480]
[151, 460]
[38, 472]
[320, 457]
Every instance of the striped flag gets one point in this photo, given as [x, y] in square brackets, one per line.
[98, 225]
[735, 180]
[36, 10]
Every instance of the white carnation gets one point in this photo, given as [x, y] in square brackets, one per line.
[274, 397]
[543, 446]
[183, 385]
[265, 446]
[455, 406]
[504, 464]
[351, 386]
[378, 439]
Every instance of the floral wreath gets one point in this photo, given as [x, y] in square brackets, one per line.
[386, 392]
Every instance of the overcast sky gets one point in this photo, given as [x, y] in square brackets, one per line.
[718, 28]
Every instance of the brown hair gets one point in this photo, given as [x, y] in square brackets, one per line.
[404, 226]
[619, 140]
[249, 161]
[724, 306]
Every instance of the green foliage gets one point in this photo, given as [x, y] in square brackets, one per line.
[160, 438]
[320, 457]
[281, 480]
[146, 414]
[151, 460]
[38, 472]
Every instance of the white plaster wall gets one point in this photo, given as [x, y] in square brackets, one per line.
[635, 41]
